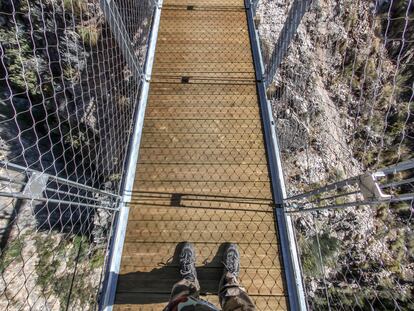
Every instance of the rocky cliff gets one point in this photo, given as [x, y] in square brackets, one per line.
[343, 101]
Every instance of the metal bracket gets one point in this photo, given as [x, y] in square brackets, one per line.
[146, 77]
[36, 185]
[370, 189]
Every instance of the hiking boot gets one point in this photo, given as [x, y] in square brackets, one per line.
[231, 260]
[187, 262]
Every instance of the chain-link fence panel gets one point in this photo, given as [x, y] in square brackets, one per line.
[70, 77]
[343, 105]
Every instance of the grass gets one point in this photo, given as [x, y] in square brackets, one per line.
[70, 73]
[56, 265]
[115, 177]
[48, 263]
[336, 174]
[123, 101]
[97, 260]
[403, 209]
[382, 212]
[75, 6]
[19, 61]
[89, 33]
[12, 253]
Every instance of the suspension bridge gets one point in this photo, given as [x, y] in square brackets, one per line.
[156, 123]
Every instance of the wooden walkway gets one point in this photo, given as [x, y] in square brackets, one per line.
[202, 174]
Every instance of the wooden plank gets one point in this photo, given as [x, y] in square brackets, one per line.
[200, 231]
[205, 226]
[201, 155]
[202, 30]
[216, 48]
[175, 77]
[142, 280]
[168, 39]
[253, 255]
[193, 57]
[196, 42]
[196, 140]
[231, 17]
[207, 63]
[156, 301]
[208, 126]
[201, 33]
[204, 187]
[206, 26]
[219, 172]
[203, 90]
[205, 68]
[192, 214]
[143, 200]
[191, 101]
[206, 3]
[202, 112]
[212, 19]
[200, 40]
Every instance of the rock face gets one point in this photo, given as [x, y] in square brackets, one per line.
[66, 104]
[67, 99]
[342, 101]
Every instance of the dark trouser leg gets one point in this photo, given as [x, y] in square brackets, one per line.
[182, 289]
[185, 288]
[232, 296]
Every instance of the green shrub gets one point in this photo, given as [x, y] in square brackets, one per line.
[89, 34]
[75, 6]
[312, 262]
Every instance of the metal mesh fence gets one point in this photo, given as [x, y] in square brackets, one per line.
[69, 88]
[343, 105]
[341, 90]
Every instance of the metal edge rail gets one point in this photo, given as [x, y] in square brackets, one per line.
[293, 275]
[114, 262]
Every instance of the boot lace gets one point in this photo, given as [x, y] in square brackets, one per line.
[231, 263]
[187, 265]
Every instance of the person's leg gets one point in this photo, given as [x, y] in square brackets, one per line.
[188, 285]
[185, 288]
[232, 295]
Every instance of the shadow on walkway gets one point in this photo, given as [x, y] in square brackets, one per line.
[154, 286]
